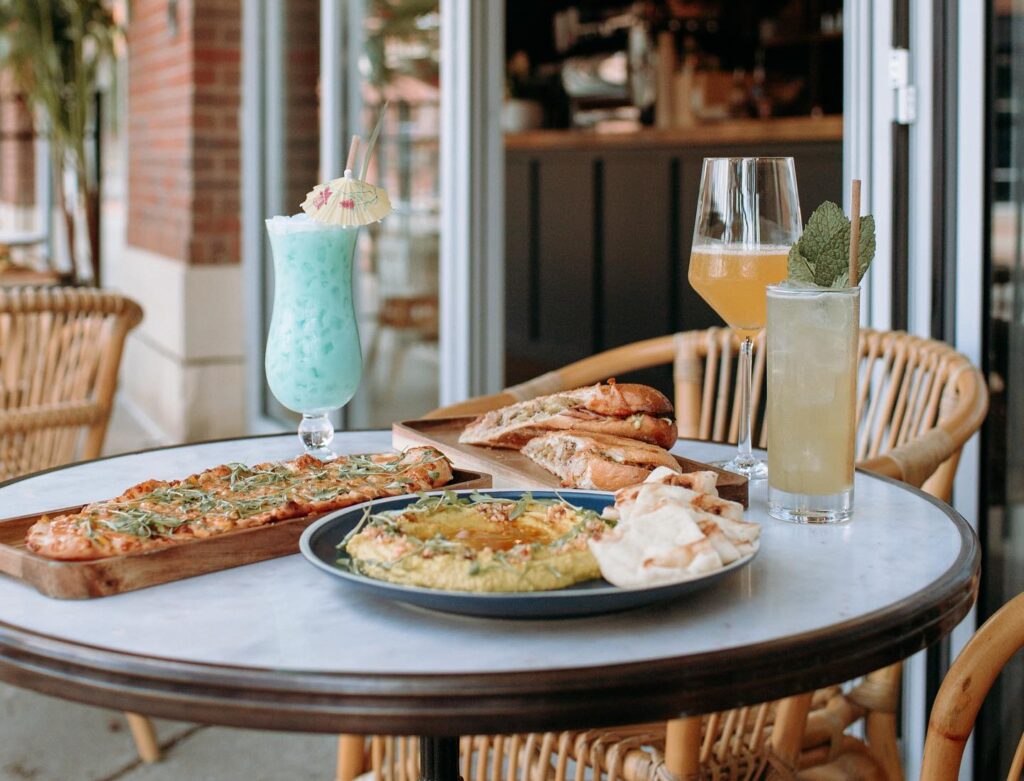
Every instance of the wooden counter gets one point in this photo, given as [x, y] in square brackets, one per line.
[726, 132]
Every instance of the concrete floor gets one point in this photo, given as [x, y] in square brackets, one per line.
[47, 739]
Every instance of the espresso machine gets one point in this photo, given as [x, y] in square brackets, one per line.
[609, 70]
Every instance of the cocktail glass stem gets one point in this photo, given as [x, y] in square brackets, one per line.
[316, 432]
[745, 462]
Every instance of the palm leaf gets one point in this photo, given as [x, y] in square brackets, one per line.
[55, 50]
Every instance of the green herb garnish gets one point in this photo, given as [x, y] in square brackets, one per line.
[520, 506]
[822, 254]
[140, 523]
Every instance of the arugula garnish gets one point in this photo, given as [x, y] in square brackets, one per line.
[231, 494]
[141, 523]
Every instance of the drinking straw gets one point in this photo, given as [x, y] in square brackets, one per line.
[854, 231]
[373, 141]
[353, 152]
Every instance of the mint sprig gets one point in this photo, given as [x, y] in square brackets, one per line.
[822, 255]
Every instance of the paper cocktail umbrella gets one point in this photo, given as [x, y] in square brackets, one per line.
[348, 202]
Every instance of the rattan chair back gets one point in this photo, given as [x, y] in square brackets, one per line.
[918, 400]
[964, 689]
[60, 349]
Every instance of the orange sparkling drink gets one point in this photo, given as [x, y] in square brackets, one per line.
[733, 279]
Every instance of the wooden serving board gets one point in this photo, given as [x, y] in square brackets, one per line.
[511, 469]
[117, 574]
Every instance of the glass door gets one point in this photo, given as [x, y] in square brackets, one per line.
[1003, 529]
[300, 109]
[397, 47]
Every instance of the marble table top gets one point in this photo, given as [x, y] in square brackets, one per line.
[284, 616]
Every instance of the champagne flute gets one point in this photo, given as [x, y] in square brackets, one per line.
[748, 216]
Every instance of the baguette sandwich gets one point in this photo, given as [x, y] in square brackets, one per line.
[627, 410]
[598, 461]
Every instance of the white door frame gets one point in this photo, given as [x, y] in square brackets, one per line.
[871, 105]
[472, 284]
[970, 244]
[867, 148]
[341, 31]
[261, 51]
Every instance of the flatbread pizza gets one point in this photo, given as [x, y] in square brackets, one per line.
[158, 513]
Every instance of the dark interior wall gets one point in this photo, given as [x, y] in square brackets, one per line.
[598, 242]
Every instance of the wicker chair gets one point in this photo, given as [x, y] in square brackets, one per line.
[60, 349]
[963, 690]
[919, 401]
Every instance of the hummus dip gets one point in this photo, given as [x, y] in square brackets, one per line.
[477, 543]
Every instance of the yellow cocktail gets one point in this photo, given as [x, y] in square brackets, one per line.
[734, 279]
[812, 397]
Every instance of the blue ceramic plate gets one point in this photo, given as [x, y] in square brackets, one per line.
[319, 545]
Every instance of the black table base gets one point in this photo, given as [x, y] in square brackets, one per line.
[439, 759]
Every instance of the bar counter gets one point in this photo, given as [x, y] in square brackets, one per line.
[726, 132]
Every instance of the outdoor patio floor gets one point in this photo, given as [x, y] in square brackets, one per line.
[46, 739]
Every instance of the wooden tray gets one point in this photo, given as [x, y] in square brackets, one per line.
[510, 468]
[117, 574]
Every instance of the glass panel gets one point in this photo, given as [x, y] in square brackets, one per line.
[292, 123]
[397, 265]
[397, 274]
[1003, 571]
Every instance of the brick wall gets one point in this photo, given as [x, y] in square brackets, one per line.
[216, 142]
[17, 149]
[184, 98]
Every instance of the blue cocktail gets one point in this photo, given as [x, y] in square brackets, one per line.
[313, 360]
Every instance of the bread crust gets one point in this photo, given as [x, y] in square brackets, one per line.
[627, 410]
[644, 428]
[597, 461]
[626, 398]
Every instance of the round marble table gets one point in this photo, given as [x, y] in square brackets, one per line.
[279, 645]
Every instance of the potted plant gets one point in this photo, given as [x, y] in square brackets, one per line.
[55, 50]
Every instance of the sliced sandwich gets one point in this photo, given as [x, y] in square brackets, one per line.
[597, 461]
[630, 411]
